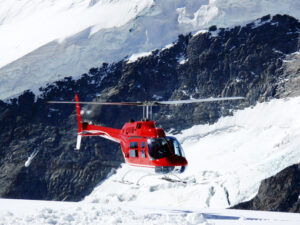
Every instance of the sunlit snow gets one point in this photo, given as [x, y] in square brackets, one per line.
[137, 56]
[26, 24]
[69, 213]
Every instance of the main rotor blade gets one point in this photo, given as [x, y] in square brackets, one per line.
[175, 102]
[152, 103]
[98, 103]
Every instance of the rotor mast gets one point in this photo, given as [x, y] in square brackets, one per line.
[147, 110]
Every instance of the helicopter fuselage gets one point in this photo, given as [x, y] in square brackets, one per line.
[143, 145]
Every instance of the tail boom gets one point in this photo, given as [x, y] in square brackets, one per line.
[105, 132]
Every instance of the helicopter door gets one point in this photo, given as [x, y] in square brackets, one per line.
[133, 149]
[143, 149]
[178, 150]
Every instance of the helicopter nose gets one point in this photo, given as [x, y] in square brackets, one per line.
[177, 160]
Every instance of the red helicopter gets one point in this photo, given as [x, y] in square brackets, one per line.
[142, 143]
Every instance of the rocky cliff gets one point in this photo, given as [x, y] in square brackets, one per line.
[255, 61]
[277, 193]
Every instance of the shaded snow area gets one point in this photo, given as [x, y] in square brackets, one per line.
[227, 161]
[43, 41]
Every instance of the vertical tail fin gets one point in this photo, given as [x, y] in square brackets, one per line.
[79, 123]
[78, 114]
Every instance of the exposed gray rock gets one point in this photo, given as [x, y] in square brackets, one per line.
[277, 193]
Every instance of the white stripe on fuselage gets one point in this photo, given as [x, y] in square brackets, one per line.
[140, 165]
[105, 134]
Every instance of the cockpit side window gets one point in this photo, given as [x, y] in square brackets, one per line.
[158, 148]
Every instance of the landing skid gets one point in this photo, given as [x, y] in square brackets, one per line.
[124, 182]
[177, 180]
[165, 177]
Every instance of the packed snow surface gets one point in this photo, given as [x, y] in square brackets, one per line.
[227, 161]
[64, 213]
[42, 41]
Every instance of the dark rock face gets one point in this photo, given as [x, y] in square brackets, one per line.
[277, 193]
[242, 61]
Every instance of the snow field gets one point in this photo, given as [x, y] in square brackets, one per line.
[69, 213]
[252, 145]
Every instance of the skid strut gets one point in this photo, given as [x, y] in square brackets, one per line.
[165, 177]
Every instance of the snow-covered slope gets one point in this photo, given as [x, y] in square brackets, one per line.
[27, 25]
[227, 161]
[42, 41]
